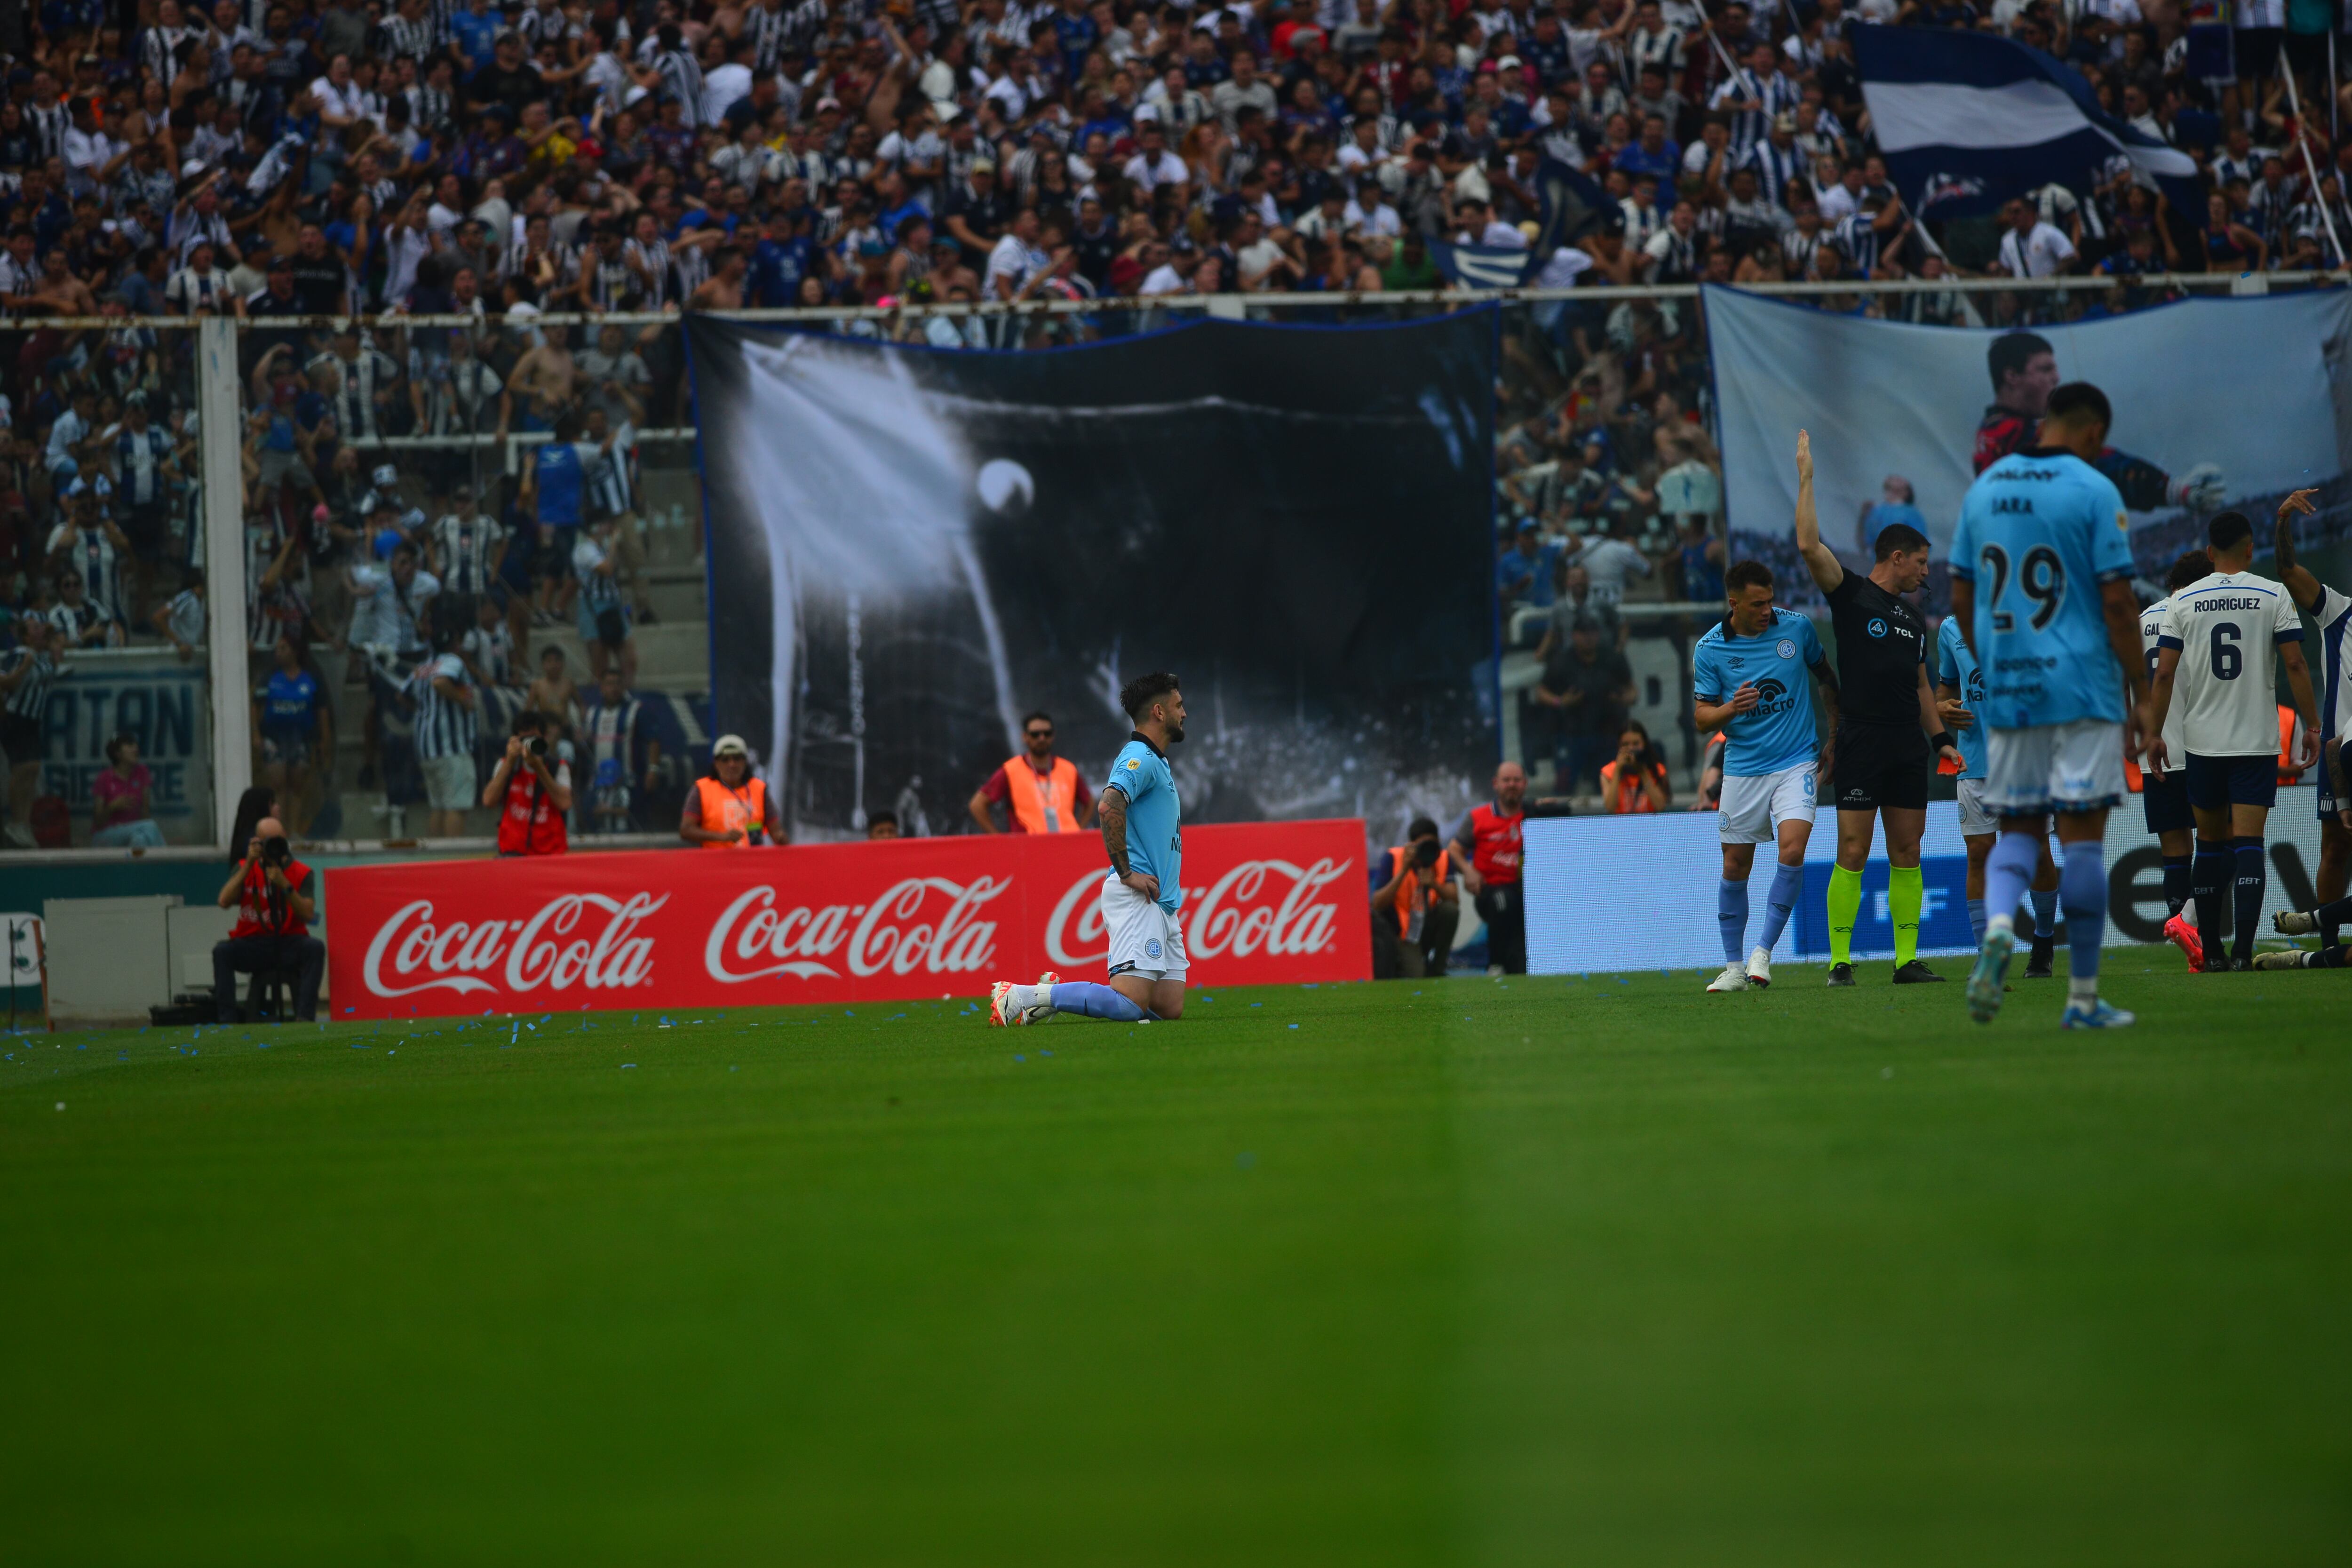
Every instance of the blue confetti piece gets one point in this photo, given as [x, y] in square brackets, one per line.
[1293, 1026]
[894, 1018]
[849, 1015]
[1020, 1059]
[545, 1017]
[627, 1066]
[349, 1011]
[1310, 985]
[1044, 1053]
[1257, 1004]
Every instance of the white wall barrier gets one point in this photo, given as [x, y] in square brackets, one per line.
[1638, 892]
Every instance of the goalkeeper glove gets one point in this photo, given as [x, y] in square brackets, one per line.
[2201, 488]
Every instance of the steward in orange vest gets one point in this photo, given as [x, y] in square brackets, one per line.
[1415, 909]
[1040, 792]
[731, 809]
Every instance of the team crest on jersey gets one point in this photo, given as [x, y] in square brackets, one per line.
[1877, 627]
[1786, 648]
[1151, 948]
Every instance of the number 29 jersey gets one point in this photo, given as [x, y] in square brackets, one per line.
[2227, 627]
[2040, 531]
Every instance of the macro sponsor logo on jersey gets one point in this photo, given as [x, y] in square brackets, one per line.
[1774, 697]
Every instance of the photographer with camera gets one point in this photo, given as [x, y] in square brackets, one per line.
[731, 808]
[1416, 906]
[270, 890]
[534, 781]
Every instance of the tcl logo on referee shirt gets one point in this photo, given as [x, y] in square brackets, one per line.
[1266, 903]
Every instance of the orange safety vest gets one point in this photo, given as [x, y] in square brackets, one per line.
[1630, 797]
[1409, 890]
[722, 808]
[1051, 802]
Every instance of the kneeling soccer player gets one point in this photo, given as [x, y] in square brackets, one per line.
[1752, 678]
[1143, 834]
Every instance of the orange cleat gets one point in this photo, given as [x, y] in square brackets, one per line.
[2182, 935]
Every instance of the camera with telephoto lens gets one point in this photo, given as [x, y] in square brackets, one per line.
[1425, 852]
[537, 745]
[275, 852]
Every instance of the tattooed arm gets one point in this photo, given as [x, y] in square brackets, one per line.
[1114, 832]
[2298, 579]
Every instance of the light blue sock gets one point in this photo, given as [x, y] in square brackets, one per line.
[1731, 915]
[2009, 870]
[2083, 888]
[1090, 1000]
[1976, 919]
[2045, 912]
[1787, 881]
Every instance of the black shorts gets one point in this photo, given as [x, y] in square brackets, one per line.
[2217, 784]
[2166, 801]
[1880, 766]
[21, 738]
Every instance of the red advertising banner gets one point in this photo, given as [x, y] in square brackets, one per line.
[1279, 902]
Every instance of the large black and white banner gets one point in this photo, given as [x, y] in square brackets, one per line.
[910, 549]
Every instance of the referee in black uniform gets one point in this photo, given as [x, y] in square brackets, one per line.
[1889, 732]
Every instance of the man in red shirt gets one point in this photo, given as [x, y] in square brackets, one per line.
[271, 893]
[1488, 840]
[1040, 793]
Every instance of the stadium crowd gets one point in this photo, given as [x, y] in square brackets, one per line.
[283, 158]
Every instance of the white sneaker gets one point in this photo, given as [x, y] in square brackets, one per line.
[21, 836]
[1733, 978]
[1759, 967]
[1494, 971]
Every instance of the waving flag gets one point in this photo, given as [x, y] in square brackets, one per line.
[1480, 266]
[1573, 207]
[1969, 119]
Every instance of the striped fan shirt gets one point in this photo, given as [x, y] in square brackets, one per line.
[31, 697]
[445, 726]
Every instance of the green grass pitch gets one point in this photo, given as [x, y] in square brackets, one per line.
[1541, 1272]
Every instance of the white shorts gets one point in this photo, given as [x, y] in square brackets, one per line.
[2077, 767]
[448, 782]
[1976, 822]
[1146, 940]
[1755, 805]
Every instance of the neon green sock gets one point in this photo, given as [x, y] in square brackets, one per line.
[1845, 903]
[1906, 891]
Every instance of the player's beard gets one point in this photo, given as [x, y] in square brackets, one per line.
[1175, 733]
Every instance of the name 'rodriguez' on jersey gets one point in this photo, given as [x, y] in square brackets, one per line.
[2040, 531]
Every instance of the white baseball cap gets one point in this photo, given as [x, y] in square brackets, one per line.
[729, 746]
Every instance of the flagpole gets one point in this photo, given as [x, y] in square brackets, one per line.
[2303, 140]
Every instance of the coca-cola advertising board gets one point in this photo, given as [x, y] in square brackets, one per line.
[1263, 903]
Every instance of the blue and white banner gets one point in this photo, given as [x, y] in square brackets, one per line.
[1638, 892]
[2256, 387]
[1969, 119]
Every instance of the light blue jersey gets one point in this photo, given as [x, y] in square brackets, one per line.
[1155, 835]
[1777, 733]
[2040, 531]
[1955, 666]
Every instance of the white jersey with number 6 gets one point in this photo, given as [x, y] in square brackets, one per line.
[2227, 627]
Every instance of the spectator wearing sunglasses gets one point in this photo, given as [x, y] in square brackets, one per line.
[1039, 792]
